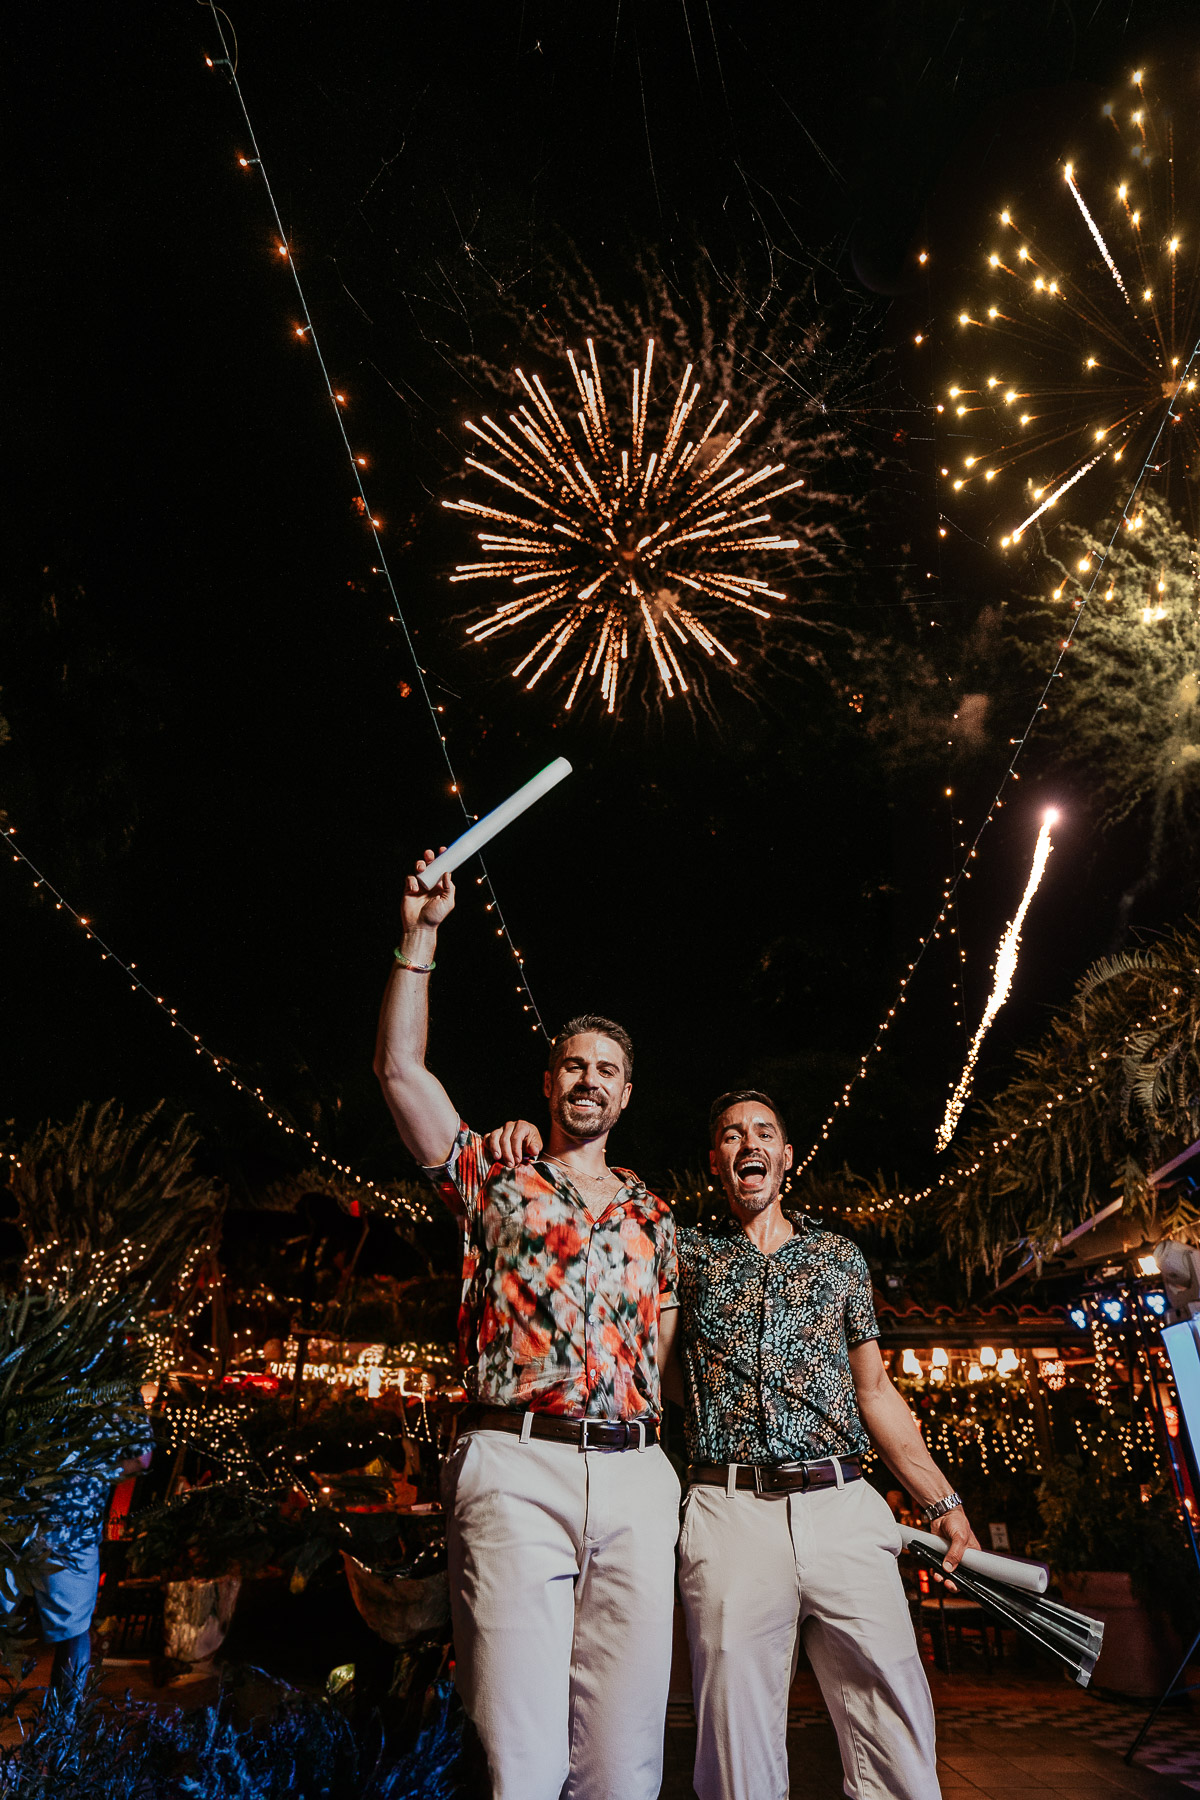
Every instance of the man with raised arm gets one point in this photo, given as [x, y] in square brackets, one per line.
[784, 1389]
[562, 1508]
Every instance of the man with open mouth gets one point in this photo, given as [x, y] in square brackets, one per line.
[562, 1509]
[784, 1389]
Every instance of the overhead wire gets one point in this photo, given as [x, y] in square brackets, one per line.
[220, 1064]
[308, 333]
[950, 894]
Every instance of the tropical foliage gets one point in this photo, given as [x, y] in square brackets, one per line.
[1095, 1517]
[105, 1184]
[68, 1386]
[1110, 1094]
[1128, 715]
[306, 1749]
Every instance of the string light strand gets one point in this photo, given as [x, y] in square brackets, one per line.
[307, 332]
[220, 1064]
[1040, 1120]
[1010, 774]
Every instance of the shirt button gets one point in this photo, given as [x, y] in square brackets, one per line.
[593, 1376]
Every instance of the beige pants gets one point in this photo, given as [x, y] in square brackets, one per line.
[561, 1584]
[758, 1571]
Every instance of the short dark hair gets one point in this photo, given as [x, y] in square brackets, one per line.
[592, 1022]
[736, 1097]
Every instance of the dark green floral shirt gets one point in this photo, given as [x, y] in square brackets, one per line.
[766, 1344]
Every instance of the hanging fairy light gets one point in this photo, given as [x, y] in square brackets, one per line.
[387, 1200]
[306, 332]
[1153, 435]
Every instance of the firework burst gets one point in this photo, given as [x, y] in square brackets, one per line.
[624, 541]
[1083, 348]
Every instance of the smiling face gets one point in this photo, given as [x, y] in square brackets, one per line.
[749, 1156]
[587, 1088]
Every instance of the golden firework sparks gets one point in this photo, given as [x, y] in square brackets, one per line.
[621, 544]
[1084, 347]
[1006, 968]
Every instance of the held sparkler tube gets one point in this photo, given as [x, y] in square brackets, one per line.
[1031, 1578]
[485, 829]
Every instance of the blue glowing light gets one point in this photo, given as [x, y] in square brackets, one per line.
[1078, 1317]
[1113, 1310]
[1155, 1303]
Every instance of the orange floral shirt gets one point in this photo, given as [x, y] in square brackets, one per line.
[559, 1307]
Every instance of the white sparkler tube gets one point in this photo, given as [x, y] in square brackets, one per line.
[1028, 1577]
[485, 829]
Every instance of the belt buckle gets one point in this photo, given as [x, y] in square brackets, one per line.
[790, 1471]
[583, 1435]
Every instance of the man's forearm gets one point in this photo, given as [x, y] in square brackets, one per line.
[419, 1104]
[896, 1436]
[669, 1369]
[404, 1018]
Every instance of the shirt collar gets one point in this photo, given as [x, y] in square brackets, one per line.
[801, 1223]
[558, 1177]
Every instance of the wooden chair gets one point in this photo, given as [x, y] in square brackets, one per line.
[948, 1615]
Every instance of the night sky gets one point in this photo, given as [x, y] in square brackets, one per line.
[215, 750]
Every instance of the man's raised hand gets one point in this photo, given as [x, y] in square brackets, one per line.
[420, 909]
[515, 1142]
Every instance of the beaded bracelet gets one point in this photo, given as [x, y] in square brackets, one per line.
[417, 968]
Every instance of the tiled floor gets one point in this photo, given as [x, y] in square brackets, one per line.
[1038, 1758]
[977, 1761]
[1017, 1732]
[1023, 1732]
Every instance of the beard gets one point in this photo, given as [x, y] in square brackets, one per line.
[585, 1122]
[758, 1202]
[760, 1199]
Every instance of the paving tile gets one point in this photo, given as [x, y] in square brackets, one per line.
[1023, 1735]
[1009, 1784]
[1008, 1790]
[1045, 1765]
[1090, 1791]
[969, 1762]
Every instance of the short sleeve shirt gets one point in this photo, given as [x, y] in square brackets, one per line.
[559, 1306]
[766, 1344]
[79, 1501]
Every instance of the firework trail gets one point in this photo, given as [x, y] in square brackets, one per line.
[1006, 968]
[627, 541]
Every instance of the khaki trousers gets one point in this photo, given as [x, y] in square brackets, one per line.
[561, 1588]
[757, 1572]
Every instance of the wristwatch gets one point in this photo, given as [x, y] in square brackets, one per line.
[937, 1509]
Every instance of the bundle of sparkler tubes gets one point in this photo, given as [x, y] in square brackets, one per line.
[1014, 1593]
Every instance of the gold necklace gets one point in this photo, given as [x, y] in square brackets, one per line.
[608, 1174]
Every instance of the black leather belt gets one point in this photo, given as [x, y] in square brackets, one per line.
[776, 1478]
[588, 1434]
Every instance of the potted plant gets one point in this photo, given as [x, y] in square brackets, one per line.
[201, 1547]
[402, 1596]
[1120, 1555]
[394, 1560]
